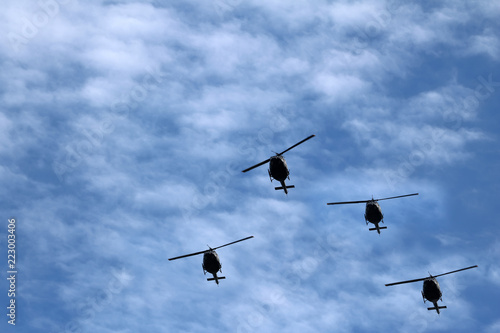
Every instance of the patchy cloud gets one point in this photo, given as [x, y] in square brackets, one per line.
[125, 127]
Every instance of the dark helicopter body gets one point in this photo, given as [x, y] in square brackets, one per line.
[211, 264]
[279, 171]
[373, 212]
[211, 261]
[431, 291]
[277, 167]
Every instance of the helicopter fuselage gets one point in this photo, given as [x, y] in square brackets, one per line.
[211, 262]
[278, 168]
[373, 212]
[431, 290]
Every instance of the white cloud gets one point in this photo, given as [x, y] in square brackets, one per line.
[193, 96]
[487, 43]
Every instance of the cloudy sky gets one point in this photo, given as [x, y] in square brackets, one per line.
[125, 126]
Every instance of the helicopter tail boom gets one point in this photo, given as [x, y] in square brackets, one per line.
[284, 187]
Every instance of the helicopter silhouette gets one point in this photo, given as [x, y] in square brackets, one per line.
[431, 290]
[211, 262]
[373, 212]
[277, 167]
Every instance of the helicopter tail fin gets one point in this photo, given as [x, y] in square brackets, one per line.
[284, 187]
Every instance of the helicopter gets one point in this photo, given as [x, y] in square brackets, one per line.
[373, 212]
[211, 261]
[431, 290]
[277, 167]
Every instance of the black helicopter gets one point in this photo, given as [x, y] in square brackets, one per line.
[431, 290]
[211, 262]
[277, 167]
[373, 212]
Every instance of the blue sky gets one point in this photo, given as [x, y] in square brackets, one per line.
[125, 126]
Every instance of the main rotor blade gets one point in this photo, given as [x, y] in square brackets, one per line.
[458, 270]
[422, 279]
[257, 165]
[218, 247]
[362, 201]
[295, 145]
[189, 255]
[408, 281]
[347, 202]
[399, 196]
